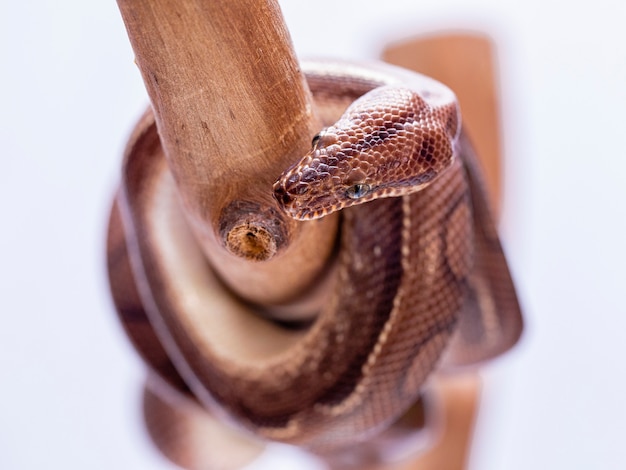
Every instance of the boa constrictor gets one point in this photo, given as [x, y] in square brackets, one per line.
[421, 279]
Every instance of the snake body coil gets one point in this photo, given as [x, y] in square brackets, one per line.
[420, 279]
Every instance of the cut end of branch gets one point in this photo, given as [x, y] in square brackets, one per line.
[252, 242]
[253, 232]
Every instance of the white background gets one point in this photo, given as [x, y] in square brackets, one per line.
[69, 94]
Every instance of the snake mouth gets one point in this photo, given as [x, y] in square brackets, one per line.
[289, 203]
[309, 208]
[310, 214]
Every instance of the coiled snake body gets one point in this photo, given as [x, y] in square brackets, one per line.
[421, 278]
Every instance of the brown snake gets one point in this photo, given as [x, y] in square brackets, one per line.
[421, 279]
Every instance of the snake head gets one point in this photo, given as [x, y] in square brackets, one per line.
[388, 143]
[324, 181]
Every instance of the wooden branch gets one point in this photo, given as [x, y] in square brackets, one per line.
[233, 111]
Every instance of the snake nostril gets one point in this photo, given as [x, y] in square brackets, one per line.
[286, 198]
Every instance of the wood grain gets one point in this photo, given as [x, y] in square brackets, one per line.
[232, 111]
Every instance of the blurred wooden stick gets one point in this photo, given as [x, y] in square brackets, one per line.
[459, 396]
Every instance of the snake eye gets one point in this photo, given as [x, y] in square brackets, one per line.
[358, 190]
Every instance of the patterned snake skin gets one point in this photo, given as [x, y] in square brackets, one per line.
[421, 280]
[390, 142]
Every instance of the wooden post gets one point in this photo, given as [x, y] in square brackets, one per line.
[233, 111]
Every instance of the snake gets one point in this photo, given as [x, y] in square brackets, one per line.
[421, 281]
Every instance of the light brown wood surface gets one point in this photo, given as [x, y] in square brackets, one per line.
[460, 399]
[233, 111]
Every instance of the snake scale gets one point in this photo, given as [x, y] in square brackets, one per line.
[421, 279]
